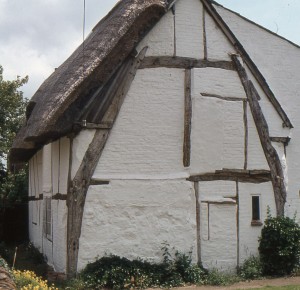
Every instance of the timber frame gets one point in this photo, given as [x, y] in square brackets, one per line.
[83, 178]
[277, 176]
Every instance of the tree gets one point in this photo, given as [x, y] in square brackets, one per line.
[12, 112]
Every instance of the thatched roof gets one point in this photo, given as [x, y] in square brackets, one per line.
[53, 109]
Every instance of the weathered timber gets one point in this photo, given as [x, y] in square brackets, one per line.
[251, 65]
[249, 176]
[59, 196]
[237, 224]
[245, 135]
[187, 118]
[277, 176]
[183, 63]
[230, 99]
[87, 125]
[33, 198]
[82, 179]
[283, 140]
[198, 224]
[204, 33]
[96, 181]
[174, 23]
[230, 202]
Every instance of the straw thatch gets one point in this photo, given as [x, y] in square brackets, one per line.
[57, 105]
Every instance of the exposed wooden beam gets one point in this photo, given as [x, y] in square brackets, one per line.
[82, 179]
[277, 176]
[59, 196]
[198, 221]
[253, 68]
[183, 63]
[245, 118]
[284, 140]
[251, 176]
[187, 118]
[230, 99]
[96, 181]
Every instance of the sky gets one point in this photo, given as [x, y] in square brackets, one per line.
[36, 36]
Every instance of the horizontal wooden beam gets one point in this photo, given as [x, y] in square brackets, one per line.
[230, 202]
[183, 63]
[59, 196]
[33, 198]
[240, 175]
[96, 181]
[231, 99]
[284, 140]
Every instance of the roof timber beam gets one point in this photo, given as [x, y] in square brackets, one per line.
[251, 65]
[183, 63]
[277, 176]
[79, 186]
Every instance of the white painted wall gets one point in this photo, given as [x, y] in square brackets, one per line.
[132, 218]
[217, 135]
[80, 144]
[278, 60]
[256, 156]
[160, 39]
[218, 46]
[189, 28]
[218, 227]
[147, 139]
[217, 81]
[249, 234]
[48, 176]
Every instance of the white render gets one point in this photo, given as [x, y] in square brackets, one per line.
[148, 198]
[48, 171]
[137, 216]
[189, 34]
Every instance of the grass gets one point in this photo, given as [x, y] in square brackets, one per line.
[292, 287]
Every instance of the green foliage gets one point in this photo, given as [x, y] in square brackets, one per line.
[218, 278]
[12, 111]
[14, 187]
[114, 272]
[279, 246]
[251, 269]
[12, 114]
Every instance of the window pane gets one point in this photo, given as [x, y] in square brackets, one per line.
[255, 208]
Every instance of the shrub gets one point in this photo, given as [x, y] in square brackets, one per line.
[114, 272]
[27, 280]
[279, 246]
[218, 278]
[251, 269]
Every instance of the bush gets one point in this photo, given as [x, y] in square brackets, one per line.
[251, 269]
[114, 272]
[279, 246]
[27, 280]
[217, 278]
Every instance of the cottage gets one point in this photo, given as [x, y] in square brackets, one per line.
[175, 121]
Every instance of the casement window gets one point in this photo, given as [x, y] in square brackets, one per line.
[47, 218]
[256, 214]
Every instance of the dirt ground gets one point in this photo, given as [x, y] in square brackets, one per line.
[249, 285]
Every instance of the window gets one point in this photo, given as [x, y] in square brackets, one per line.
[256, 211]
[47, 218]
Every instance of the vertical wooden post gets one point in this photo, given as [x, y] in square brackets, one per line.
[187, 118]
[198, 218]
[81, 182]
